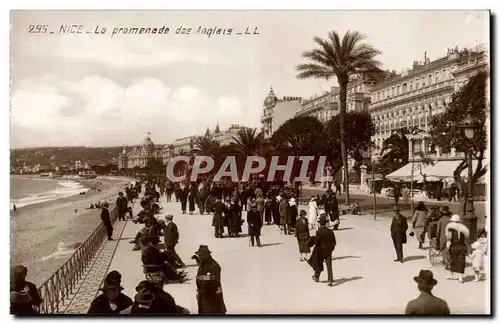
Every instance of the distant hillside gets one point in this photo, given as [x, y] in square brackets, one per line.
[64, 155]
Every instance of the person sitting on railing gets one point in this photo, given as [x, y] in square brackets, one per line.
[151, 229]
[24, 296]
[153, 260]
[111, 301]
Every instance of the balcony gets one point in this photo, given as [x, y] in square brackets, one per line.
[443, 85]
[359, 96]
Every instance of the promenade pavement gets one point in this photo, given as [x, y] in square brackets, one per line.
[272, 280]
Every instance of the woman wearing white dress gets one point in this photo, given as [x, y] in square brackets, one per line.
[312, 216]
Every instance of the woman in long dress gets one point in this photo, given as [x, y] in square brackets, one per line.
[313, 213]
[302, 234]
[456, 233]
[293, 213]
[419, 223]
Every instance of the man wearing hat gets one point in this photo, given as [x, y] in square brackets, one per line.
[254, 221]
[24, 296]
[106, 220]
[399, 226]
[208, 284]
[218, 218]
[112, 300]
[122, 205]
[426, 303]
[171, 238]
[325, 241]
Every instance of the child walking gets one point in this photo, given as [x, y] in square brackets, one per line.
[477, 257]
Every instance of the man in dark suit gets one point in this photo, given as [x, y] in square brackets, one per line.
[325, 241]
[426, 303]
[122, 205]
[171, 238]
[106, 220]
[399, 226]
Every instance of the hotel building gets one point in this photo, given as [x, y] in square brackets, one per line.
[188, 143]
[327, 105]
[278, 111]
[414, 97]
[138, 156]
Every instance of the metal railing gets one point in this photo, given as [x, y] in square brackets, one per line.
[61, 284]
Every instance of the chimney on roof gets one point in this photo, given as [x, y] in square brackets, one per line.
[425, 57]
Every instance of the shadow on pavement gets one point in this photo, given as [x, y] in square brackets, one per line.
[345, 257]
[468, 278]
[344, 229]
[270, 244]
[414, 257]
[344, 280]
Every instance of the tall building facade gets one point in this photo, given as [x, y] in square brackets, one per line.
[414, 97]
[277, 111]
[323, 106]
[327, 105]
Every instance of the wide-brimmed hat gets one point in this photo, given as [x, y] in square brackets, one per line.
[455, 218]
[114, 277]
[110, 286]
[169, 217]
[395, 208]
[445, 211]
[302, 212]
[203, 250]
[313, 198]
[145, 298]
[425, 278]
[105, 204]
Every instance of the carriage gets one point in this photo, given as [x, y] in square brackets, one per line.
[435, 253]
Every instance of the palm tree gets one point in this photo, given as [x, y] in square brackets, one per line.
[206, 146]
[183, 152]
[247, 141]
[341, 59]
[396, 147]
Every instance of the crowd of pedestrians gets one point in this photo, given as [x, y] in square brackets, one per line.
[265, 204]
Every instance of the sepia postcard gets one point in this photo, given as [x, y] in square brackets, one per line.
[250, 162]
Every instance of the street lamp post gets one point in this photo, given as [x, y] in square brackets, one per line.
[469, 125]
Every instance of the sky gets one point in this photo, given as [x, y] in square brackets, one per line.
[111, 90]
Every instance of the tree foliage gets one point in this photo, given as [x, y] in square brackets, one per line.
[341, 58]
[247, 141]
[206, 146]
[300, 136]
[445, 128]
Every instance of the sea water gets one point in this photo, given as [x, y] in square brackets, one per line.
[28, 191]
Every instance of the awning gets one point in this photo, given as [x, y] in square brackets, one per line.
[440, 170]
[404, 173]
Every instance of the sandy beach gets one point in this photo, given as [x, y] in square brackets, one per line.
[36, 230]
